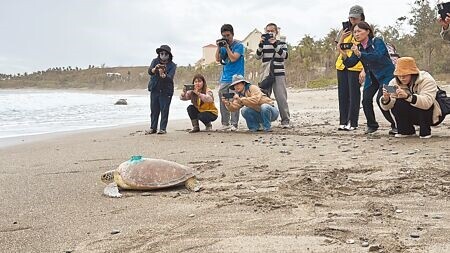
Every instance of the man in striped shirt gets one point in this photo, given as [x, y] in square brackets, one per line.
[271, 48]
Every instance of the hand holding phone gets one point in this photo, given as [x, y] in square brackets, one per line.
[390, 89]
[346, 26]
[188, 87]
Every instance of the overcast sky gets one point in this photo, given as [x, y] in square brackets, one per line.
[40, 34]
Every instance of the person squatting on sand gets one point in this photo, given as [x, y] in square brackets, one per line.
[270, 49]
[373, 54]
[230, 53]
[413, 101]
[349, 79]
[202, 107]
[258, 109]
[162, 71]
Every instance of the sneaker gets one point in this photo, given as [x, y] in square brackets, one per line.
[393, 131]
[285, 126]
[341, 127]
[233, 129]
[350, 128]
[224, 128]
[150, 131]
[370, 130]
[425, 137]
[403, 135]
[162, 132]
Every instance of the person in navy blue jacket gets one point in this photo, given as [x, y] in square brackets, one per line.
[162, 71]
[379, 69]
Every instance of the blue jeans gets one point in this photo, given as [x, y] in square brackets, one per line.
[159, 104]
[224, 113]
[254, 118]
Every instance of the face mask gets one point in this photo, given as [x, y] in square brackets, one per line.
[164, 56]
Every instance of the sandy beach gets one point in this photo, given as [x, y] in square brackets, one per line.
[307, 189]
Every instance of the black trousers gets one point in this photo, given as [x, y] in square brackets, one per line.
[349, 95]
[407, 116]
[367, 103]
[205, 117]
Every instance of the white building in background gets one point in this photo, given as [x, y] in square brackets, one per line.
[209, 55]
[252, 40]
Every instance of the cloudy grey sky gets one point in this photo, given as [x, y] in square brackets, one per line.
[37, 35]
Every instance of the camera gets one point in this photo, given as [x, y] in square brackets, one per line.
[228, 95]
[346, 26]
[346, 46]
[267, 36]
[221, 42]
[443, 9]
[189, 87]
[162, 67]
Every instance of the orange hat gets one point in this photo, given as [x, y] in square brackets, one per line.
[406, 66]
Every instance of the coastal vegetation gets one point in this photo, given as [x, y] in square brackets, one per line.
[310, 63]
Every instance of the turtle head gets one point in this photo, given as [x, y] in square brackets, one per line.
[108, 177]
[193, 185]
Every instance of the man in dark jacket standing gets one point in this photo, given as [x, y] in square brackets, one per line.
[162, 72]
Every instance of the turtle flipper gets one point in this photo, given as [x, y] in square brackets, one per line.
[193, 185]
[112, 191]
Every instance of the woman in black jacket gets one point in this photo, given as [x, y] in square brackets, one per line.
[162, 72]
[379, 69]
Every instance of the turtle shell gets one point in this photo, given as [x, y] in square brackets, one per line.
[148, 174]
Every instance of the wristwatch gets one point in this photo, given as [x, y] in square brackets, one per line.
[408, 98]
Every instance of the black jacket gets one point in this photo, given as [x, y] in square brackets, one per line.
[159, 84]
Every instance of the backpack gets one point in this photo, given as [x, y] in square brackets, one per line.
[392, 51]
[444, 101]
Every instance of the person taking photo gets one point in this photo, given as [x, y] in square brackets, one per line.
[230, 53]
[202, 108]
[162, 72]
[379, 69]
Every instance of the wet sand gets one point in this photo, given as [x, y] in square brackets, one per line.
[307, 189]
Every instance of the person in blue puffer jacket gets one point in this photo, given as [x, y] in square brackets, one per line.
[162, 72]
[379, 69]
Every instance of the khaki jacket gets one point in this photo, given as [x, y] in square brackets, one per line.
[423, 95]
[254, 98]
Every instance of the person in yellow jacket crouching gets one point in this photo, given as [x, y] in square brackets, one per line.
[202, 107]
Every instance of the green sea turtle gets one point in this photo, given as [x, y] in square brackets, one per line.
[148, 174]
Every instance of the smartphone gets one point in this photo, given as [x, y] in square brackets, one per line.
[345, 46]
[189, 87]
[228, 95]
[346, 25]
[443, 9]
[267, 36]
[390, 89]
